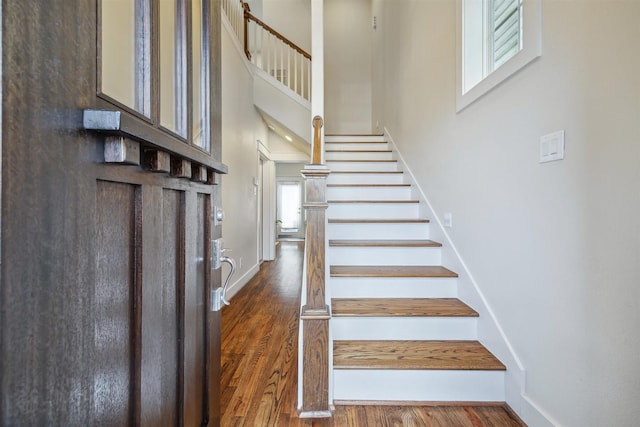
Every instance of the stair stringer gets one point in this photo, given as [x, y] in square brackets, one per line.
[490, 332]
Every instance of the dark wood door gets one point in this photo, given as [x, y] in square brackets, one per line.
[105, 268]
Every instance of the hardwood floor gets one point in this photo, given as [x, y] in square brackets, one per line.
[259, 363]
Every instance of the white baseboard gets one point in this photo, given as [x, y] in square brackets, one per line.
[490, 333]
[235, 287]
[535, 416]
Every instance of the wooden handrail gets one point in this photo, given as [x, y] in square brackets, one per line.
[316, 158]
[248, 16]
[269, 51]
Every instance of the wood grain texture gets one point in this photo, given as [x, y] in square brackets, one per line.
[259, 364]
[371, 172]
[376, 221]
[315, 313]
[369, 185]
[87, 315]
[260, 344]
[340, 135]
[438, 355]
[390, 271]
[358, 151]
[387, 243]
[373, 201]
[361, 161]
[409, 307]
[115, 338]
[315, 371]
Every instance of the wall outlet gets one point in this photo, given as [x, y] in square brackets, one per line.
[448, 219]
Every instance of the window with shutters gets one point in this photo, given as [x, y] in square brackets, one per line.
[505, 30]
[496, 38]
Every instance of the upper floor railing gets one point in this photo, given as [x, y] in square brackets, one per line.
[235, 14]
[269, 50]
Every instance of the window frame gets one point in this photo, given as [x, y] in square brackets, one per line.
[146, 125]
[531, 49]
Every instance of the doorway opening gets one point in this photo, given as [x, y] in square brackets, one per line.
[289, 212]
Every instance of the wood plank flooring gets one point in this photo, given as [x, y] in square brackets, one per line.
[259, 364]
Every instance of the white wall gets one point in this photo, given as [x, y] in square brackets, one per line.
[555, 247]
[283, 151]
[347, 66]
[289, 169]
[291, 18]
[242, 126]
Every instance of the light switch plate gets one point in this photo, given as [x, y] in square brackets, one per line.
[552, 147]
[448, 219]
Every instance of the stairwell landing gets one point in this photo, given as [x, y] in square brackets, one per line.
[399, 331]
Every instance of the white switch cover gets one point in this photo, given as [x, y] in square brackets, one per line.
[552, 147]
[448, 219]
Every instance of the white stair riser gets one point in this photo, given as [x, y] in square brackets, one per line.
[404, 328]
[393, 287]
[379, 255]
[368, 193]
[359, 155]
[416, 385]
[354, 138]
[360, 146]
[373, 210]
[391, 231]
[362, 166]
[365, 178]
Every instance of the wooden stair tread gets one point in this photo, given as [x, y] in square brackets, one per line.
[354, 134]
[361, 161]
[387, 243]
[358, 151]
[373, 201]
[396, 307]
[368, 172]
[376, 221]
[390, 271]
[408, 355]
[368, 185]
[354, 142]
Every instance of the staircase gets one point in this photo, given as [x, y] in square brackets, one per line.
[399, 332]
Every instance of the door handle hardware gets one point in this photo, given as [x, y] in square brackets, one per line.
[219, 295]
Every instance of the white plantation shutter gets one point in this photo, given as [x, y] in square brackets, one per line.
[506, 20]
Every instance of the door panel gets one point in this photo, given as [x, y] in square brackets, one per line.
[196, 315]
[160, 302]
[105, 274]
[117, 222]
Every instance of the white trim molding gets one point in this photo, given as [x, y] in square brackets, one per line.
[531, 49]
[490, 332]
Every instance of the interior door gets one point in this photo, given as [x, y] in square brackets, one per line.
[106, 272]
